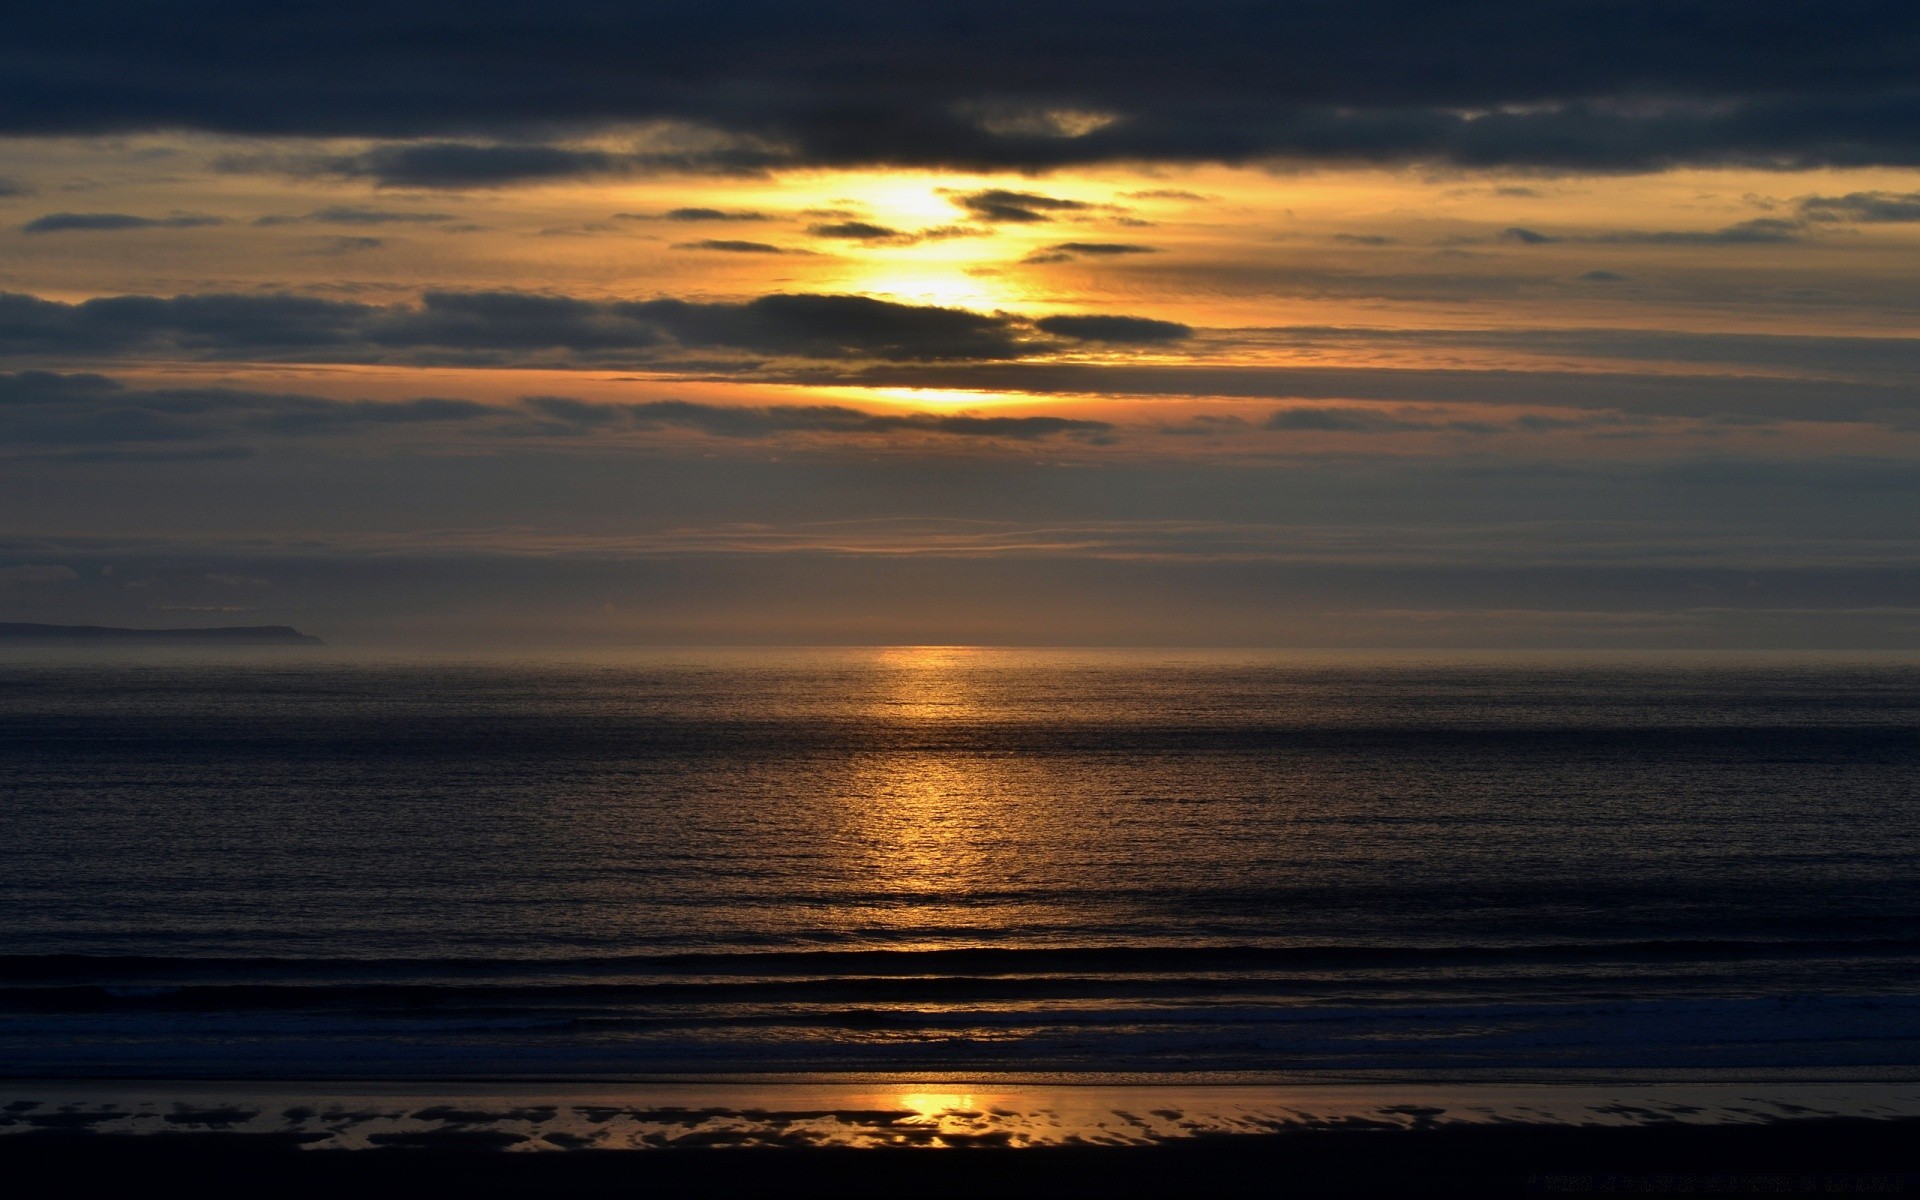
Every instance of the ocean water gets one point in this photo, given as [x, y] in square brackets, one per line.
[934, 861]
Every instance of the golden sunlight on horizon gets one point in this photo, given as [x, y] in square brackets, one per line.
[943, 284]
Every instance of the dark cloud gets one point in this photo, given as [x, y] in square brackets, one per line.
[1068, 251]
[997, 204]
[940, 233]
[191, 325]
[344, 214]
[43, 412]
[1586, 84]
[857, 231]
[731, 246]
[346, 245]
[1647, 393]
[708, 214]
[1601, 276]
[1526, 237]
[466, 165]
[993, 84]
[1415, 420]
[1123, 330]
[447, 165]
[72, 222]
[831, 327]
[13, 187]
[39, 408]
[1761, 231]
[1863, 207]
[1338, 420]
[489, 327]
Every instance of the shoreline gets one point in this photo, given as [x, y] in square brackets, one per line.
[913, 1140]
[900, 1112]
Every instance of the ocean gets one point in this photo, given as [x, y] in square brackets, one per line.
[990, 863]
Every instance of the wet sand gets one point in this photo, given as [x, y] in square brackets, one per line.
[950, 1139]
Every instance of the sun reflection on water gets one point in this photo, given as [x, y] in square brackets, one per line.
[933, 823]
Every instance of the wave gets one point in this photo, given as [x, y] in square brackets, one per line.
[974, 961]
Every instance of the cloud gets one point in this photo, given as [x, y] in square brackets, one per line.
[857, 231]
[1069, 251]
[997, 204]
[1122, 330]
[940, 233]
[706, 214]
[1335, 420]
[732, 247]
[346, 245]
[344, 214]
[1863, 207]
[1310, 419]
[721, 421]
[1760, 231]
[1526, 237]
[462, 165]
[834, 327]
[1649, 393]
[10, 187]
[881, 235]
[494, 327]
[43, 412]
[71, 222]
[42, 408]
[992, 84]
[1103, 248]
[467, 165]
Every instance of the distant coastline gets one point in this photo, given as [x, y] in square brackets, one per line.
[15, 633]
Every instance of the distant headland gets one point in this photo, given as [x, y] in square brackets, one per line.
[14, 633]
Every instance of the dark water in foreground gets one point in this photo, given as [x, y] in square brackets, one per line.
[953, 861]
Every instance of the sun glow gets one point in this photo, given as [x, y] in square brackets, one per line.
[948, 284]
[941, 398]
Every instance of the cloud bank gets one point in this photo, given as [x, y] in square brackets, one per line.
[44, 412]
[490, 327]
[470, 94]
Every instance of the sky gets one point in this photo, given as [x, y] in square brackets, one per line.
[1360, 324]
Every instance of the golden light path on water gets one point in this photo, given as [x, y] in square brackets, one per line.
[936, 821]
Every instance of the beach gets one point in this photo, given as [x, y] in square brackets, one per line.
[959, 1139]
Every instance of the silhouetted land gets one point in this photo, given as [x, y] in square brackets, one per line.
[1802, 1157]
[97, 635]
